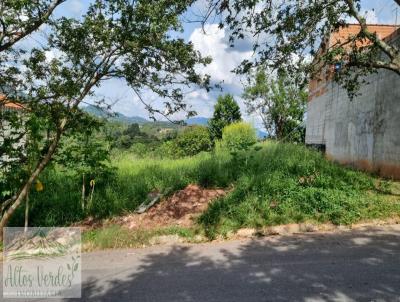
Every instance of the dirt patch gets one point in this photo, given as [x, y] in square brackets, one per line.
[179, 209]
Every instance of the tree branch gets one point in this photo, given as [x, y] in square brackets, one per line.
[30, 28]
[392, 52]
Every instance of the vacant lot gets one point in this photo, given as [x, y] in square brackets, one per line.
[267, 185]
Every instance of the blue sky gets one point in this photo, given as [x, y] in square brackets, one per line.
[214, 44]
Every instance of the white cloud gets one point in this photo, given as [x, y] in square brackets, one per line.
[213, 43]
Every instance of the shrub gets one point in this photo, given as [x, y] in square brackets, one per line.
[193, 140]
[238, 136]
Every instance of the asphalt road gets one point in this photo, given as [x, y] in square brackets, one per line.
[350, 266]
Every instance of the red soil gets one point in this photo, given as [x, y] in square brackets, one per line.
[179, 209]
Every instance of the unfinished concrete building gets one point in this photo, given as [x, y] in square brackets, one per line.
[363, 132]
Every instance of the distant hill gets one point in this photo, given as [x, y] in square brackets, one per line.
[119, 117]
[203, 121]
[116, 117]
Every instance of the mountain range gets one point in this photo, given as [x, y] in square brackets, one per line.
[115, 117]
[122, 118]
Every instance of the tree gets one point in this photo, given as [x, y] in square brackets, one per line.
[133, 130]
[280, 103]
[87, 154]
[192, 141]
[226, 112]
[122, 39]
[286, 34]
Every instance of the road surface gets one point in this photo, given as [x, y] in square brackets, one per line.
[360, 265]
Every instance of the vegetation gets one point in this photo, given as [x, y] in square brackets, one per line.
[285, 183]
[270, 183]
[287, 34]
[192, 141]
[113, 39]
[119, 237]
[280, 103]
[226, 112]
[122, 190]
[238, 137]
[74, 167]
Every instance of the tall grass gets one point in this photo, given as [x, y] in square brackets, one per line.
[285, 183]
[270, 184]
[122, 191]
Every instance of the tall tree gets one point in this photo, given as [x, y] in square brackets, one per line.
[123, 39]
[226, 112]
[280, 103]
[285, 34]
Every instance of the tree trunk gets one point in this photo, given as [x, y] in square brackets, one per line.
[25, 189]
[83, 192]
[26, 212]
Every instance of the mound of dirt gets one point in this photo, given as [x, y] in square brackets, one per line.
[179, 209]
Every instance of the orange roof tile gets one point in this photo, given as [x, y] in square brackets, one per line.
[11, 105]
[341, 35]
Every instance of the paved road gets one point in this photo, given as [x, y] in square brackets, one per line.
[350, 266]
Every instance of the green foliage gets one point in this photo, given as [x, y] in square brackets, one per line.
[281, 104]
[193, 140]
[84, 152]
[288, 34]
[15, 27]
[226, 112]
[270, 184]
[238, 137]
[123, 191]
[285, 183]
[127, 40]
[118, 237]
[132, 130]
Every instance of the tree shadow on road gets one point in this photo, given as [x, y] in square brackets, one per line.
[362, 266]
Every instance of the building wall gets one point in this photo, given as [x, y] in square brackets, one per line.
[364, 132]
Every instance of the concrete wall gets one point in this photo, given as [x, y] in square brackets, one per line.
[364, 132]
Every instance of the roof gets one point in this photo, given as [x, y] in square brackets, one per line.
[9, 105]
[318, 83]
[383, 31]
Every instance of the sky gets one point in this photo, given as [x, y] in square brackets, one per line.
[213, 43]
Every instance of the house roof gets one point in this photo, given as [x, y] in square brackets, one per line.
[9, 105]
[318, 83]
[383, 31]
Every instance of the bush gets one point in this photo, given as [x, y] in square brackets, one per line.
[193, 140]
[238, 136]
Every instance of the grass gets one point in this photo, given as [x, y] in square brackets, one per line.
[271, 184]
[285, 183]
[123, 190]
[118, 237]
